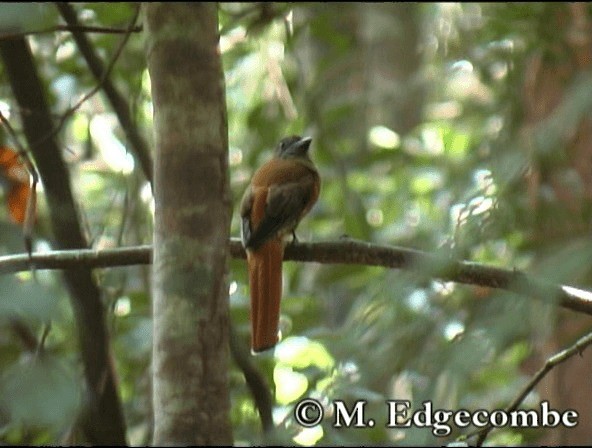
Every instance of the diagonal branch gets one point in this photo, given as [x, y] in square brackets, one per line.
[117, 100]
[105, 75]
[345, 251]
[550, 364]
[103, 422]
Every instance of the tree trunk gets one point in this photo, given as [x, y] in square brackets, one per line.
[192, 225]
[564, 217]
[103, 421]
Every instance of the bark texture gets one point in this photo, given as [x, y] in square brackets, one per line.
[192, 225]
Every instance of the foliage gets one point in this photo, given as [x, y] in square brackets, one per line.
[453, 181]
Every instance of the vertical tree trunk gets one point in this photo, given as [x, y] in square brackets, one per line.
[391, 36]
[192, 225]
[103, 421]
[564, 217]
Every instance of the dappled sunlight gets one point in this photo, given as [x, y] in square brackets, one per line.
[301, 352]
[309, 436]
[290, 385]
[453, 329]
[457, 134]
[383, 137]
[113, 152]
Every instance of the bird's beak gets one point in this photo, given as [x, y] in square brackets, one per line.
[303, 144]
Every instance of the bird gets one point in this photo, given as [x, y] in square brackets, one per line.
[281, 192]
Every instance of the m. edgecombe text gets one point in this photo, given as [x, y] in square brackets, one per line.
[399, 414]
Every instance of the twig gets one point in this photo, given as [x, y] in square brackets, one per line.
[46, 330]
[551, 363]
[24, 333]
[68, 113]
[20, 148]
[117, 100]
[345, 251]
[70, 28]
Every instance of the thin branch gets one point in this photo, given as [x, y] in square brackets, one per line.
[79, 258]
[71, 29]
[430, 265]
[68, 113]
[46, 330]
[117, 100]
[550, 364]
[20, 148]
[24, 334]
[345, 251]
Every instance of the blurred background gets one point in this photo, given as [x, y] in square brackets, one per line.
[463, 129]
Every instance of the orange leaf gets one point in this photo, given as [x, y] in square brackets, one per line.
[15, 172]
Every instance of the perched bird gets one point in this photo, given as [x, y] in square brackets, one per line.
[281, 192]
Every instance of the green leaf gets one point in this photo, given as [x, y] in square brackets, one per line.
[40, 392]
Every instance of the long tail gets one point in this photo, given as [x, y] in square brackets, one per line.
[265, 279]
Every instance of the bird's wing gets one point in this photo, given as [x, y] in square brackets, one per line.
[284, 207]
[245, 214]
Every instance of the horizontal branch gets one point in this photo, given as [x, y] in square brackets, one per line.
[77, 258]
[71, 29]
[345, 251]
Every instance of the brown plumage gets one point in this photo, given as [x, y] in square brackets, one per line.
[281, 192]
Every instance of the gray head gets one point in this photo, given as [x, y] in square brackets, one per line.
[293, 147]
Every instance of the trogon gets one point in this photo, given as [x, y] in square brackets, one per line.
[281, 192]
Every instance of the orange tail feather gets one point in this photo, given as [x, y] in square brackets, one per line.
[265, 278]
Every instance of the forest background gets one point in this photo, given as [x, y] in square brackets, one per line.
[461, 130]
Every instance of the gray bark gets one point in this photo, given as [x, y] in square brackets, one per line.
[192, 225]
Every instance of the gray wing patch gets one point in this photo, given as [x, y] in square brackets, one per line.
[285, 205]
[245, 213]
